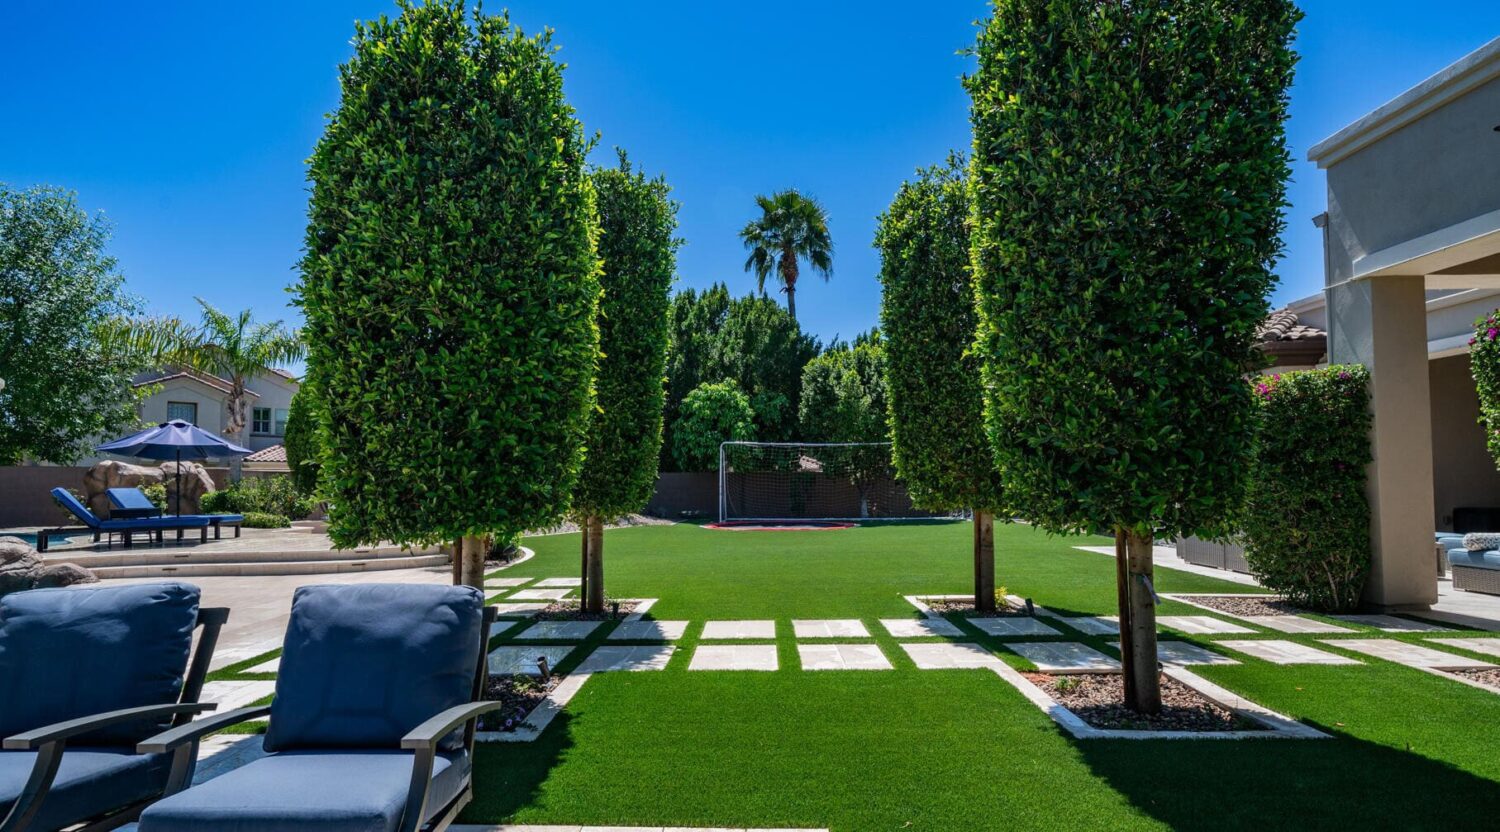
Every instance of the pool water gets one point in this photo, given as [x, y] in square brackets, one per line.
[30, 538]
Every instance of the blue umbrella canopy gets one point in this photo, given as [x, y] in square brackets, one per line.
[177, 440]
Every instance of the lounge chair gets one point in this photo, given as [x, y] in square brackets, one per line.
[372, 728]
[127, 528]
[85, 674]
[133, 502]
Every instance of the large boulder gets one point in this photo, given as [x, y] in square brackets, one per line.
[21, 568]
[111, 474]
[195, 483]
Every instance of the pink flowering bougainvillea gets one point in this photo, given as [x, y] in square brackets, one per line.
[1484, 363]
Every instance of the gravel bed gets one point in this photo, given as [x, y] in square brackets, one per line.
[1098, 699]
[568, 610]
[521, 694]
[967, 610]
[623, 523]
[1236, 605]
[1484, 676]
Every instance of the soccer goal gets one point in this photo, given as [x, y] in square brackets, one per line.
[784, 482]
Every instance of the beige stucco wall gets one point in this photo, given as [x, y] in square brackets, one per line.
[1463, 472]
[210, 403]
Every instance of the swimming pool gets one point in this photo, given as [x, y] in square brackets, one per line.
[30, 538]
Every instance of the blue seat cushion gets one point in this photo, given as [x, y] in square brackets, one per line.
[129, 498]
[332, 791]
[69, 653]
[1488, 559]
[362, 665]
[90, 782]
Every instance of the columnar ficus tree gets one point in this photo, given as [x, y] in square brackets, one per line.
[927, 313]
[636, 224]
[1127, 185]
[450, 285]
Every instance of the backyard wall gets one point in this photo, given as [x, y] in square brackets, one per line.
[26, 493]
[691, 493]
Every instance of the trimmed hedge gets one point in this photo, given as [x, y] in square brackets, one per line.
[1484, 364]
[1306, 523]
[262, 520]
[712, 414]
[927, 314]
[450, 284]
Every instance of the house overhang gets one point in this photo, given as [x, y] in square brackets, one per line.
[1462, 256]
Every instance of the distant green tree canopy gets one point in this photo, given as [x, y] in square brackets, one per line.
[844, 393]
[940, 448]
[65, 359]
[637, 222]
[713, 413]
[752, 341]
[303, 445]
[450, 284]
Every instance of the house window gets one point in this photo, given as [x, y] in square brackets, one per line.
[186, 411]
[260, 420]
[281, 414]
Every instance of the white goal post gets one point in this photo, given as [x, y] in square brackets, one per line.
[774, 482]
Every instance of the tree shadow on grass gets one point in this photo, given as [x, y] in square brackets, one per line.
[1261, 784]
[508, 775]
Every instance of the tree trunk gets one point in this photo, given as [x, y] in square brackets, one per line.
[791, 302]
[458, 561]
[234, 425]
[789, 280]
[583, 560]
[1133, 575]
[593, 599]
[473, 561]
[984, 560]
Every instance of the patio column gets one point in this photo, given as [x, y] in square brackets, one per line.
[1381, 322]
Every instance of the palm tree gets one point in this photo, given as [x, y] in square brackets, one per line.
[791, 227]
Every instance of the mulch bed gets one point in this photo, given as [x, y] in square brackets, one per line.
[967, 610]
[521, 694]
[1098, 699]
[1483, 676]
[568, 610]
[1236, 605]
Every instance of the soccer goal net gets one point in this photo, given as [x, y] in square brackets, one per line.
[785, 481]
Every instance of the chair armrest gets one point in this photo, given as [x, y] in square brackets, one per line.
[37, 737]
[198, 729]
[430, 732]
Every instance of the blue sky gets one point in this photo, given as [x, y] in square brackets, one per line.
[188, 124]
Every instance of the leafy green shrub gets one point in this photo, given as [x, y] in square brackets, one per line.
[264, 495]
[1484, 364]
[263, 520]
[450, 283]
[1305, 522]
[713, 413]
[156, 492]
[844, 393]
[301, 440]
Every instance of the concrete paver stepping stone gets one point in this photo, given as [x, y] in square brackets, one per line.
[842, 657]
[830, 628]
[1411, 655]
[1013, 625]
[524, 609]
[734, 657]
[521, 661]
[1391, 623]
[1278, 651]
[1200, 624]
[950, 656]
[1094, 625]
[1490, 646]
[920, 627]
[1182, 654]
[1064, 657]
[231, 694]
[560, 630]
[739, 629]
[505, 583]
[540, 594]
[271, 666]
[625, 657]
[1295, 624]
[555, 582]
[649, 631]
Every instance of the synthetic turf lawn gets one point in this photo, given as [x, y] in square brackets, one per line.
[944, 750]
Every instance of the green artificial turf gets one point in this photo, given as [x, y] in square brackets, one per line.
[956, 750]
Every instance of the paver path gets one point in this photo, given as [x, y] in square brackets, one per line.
[1294, 624]
[1391, 624]
[1490, 646]
[950, 656]
[620, 657]
[553, 582]
[920, 627]
[560, 630]
[1011, 626]
[1181, 653]
[830, 628]
[539, 595]
[1094, 625]
[1200, 624]
[1411, 655]
[505, 583]
[521, 660]
[734, 657]
[1277, 651]
[739, 629]
[649, 631]
[1064, 657]
[842, 657]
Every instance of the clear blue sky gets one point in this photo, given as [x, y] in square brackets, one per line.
[187, 124]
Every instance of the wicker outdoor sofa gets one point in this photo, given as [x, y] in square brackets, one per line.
[1475, 570]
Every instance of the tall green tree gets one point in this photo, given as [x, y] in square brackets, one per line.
[450, 285]
[791, 228]
[302, 440]
[65, 365]
[844, 401]
[939, 445]
[1128, 182]
[750, 340]
[713, 413]
[637, 220]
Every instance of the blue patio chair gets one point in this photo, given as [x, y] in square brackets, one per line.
[133, 502]
[127, 528]
[372, 727]
[85, 674]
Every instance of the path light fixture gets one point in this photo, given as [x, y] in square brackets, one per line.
[541, 663]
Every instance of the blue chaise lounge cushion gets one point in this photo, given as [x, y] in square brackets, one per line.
[1467, 557]
[79, 510]
[345, 791]
[90, 782]
[364, 664]
[69, 653]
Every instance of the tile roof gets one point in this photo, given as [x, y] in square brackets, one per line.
[1284, 325]
[275, 453]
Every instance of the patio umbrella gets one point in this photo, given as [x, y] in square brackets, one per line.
[177, 440]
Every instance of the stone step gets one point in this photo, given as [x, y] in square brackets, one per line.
[283, 567]
[221, 551]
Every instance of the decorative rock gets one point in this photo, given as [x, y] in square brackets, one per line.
[113, 474]
[21, 568]
[63, 574]
[195, 483]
